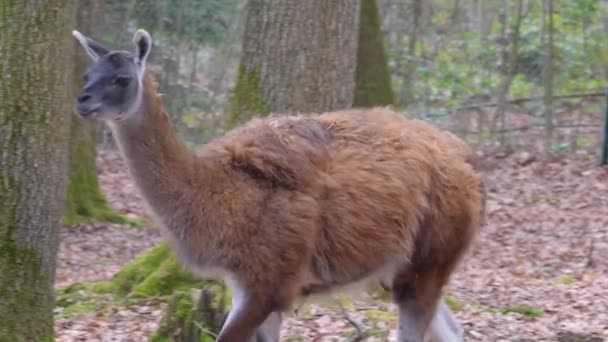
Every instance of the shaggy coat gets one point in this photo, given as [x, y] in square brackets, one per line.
[292, 205]
[284, 207]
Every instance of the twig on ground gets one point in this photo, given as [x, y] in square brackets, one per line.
[590, 262]
[360, 332]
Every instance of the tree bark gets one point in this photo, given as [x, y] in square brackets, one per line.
[548, 77]
[408, 97]
[510, 61]
[372, 81]
[297, 56]
[85, 201]
[35, 114]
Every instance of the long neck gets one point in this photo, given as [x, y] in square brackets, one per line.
[162, 167]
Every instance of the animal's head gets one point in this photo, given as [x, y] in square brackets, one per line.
[113, 87]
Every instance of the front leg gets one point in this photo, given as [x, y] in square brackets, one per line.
[270, 331]
[444, 327]
[252, 318]
[417, 297]
[246, 317]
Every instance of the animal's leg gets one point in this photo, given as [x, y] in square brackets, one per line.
[270, 330]
[417, 297]
[444, 327]
[245, 319]
[248, 313]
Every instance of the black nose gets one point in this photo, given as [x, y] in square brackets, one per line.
[84, 97]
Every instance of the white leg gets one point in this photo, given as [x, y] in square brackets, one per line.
[238, 298]
[445, 326]
[411, 323]
[270, 331]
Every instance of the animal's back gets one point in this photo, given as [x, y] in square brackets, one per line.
[397, 187]
[391, 190]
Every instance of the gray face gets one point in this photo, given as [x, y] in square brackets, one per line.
[113, 83]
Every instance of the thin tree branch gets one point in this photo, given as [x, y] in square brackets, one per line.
[594, 93]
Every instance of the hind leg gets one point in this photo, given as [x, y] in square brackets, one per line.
[444, 327]
[417, 297]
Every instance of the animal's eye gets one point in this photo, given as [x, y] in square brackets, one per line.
[121, 81]
[85, 78]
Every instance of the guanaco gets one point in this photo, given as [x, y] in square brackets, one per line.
[287, 206]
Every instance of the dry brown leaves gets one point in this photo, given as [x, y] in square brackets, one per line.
[544, 247]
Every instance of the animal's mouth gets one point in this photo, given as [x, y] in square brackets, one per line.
[89, 113]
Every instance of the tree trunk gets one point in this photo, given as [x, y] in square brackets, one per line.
[85, 201]
[548, 77]
[373, 82]
[510, 61]
[408, 97]
[297, 56]
[35, 114]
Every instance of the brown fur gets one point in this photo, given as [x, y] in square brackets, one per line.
[292, 205]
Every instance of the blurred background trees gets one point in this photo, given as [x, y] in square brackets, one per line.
[521, 74]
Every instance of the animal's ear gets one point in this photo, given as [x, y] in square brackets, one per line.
[93, 48]
[143, 44]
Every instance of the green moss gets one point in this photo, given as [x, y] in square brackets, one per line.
[85, 202]
[522, 310]
[452, 303]
[168, 277]
[155, 273]
[101, 287]
[565, 280]
[188, 321]
[373, 83]
[27, 296]
[379, 316]
[76, 309]
[139, 269]
[80, 298]
[246, 99]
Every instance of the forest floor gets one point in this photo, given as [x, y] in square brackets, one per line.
[537, 272]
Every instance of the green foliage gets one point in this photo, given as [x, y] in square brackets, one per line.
[461, 62]
[201, 21]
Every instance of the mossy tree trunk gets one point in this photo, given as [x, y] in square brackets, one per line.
[85, 201]
[298, 56]
[373, 82]
[35, 118]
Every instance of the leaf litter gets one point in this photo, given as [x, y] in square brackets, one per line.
[536, 272]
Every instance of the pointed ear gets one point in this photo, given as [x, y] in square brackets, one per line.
[143, 44]
[93, 48]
